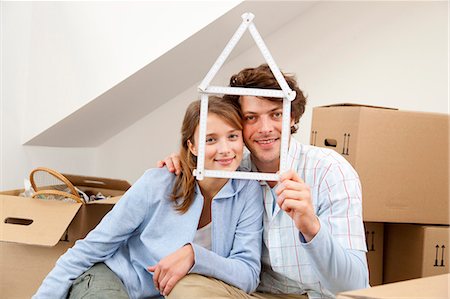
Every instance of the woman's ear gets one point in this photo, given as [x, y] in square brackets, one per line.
[192, 148]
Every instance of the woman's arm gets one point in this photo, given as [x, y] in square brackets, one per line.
[100, 244]
[242, 267]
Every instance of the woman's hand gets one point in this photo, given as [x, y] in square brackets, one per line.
[172, 268]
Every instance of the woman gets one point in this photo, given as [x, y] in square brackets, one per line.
[166, 226]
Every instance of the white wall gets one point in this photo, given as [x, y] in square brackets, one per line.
[379, 53]
[78, 50]
[376, 53]
[391, 54]
[58, 56]
[16, 161]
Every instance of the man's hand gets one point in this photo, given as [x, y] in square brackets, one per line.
[172, 268]
[294, 197]
[172, 163]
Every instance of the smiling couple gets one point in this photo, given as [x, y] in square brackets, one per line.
[227, 238]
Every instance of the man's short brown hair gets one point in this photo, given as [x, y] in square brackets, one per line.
[262, 77]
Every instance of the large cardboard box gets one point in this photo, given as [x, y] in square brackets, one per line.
[34, 232]
[402, 158]
[413, 251]
[374, 242]
[435, 287]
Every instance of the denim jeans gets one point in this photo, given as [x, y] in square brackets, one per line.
[98, 282]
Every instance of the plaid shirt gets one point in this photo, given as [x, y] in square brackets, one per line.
[293, 266]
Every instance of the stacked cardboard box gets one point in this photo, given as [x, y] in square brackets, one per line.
[34, 232]
[374, 241]
[435, 287]
[402, 159]
[414, 251]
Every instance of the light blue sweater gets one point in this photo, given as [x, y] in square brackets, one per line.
[143, 227]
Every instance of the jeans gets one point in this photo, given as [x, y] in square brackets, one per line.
[98, 282]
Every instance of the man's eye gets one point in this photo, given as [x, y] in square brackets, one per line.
[277, 115]
[250, 118]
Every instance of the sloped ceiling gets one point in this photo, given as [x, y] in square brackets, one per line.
[164, 78]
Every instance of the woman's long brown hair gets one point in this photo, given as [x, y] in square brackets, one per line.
[184, 189]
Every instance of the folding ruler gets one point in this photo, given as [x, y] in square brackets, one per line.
[205, 90]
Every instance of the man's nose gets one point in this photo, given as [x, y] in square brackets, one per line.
[265, 125]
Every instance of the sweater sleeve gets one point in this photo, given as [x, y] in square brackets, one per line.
[242, 267]
[100, 244]
[338, 251]
[339, 269]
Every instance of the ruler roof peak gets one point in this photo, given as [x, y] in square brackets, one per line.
[247, 24]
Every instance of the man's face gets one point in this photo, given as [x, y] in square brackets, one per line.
[262, 131]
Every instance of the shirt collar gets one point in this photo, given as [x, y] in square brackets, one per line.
[231, 187]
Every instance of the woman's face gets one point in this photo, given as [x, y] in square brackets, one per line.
[224, 145]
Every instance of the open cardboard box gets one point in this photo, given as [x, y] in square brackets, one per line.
[34, 233]
[434, 287]
[402, 158]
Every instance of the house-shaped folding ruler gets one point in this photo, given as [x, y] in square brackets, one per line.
[205, 90]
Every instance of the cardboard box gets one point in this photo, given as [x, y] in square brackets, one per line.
[401, 157]
[435, 287]
[374, 242]
[34, 232]
[413, 251]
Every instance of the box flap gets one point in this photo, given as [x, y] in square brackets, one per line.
[97, 182]
[112, 200]
[34, 221]
[355, 105]
[429, 287]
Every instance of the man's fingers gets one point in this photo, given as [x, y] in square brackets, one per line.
[291, 175]
[289, 205]
[176, 164]
[295, 195]
[291, 185]
[289, 194]
[169, 164]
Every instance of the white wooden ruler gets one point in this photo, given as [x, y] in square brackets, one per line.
[286, 94]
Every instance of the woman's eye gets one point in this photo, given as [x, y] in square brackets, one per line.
[233, 136]
[210, 140]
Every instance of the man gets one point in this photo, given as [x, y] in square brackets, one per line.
[314, 241]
